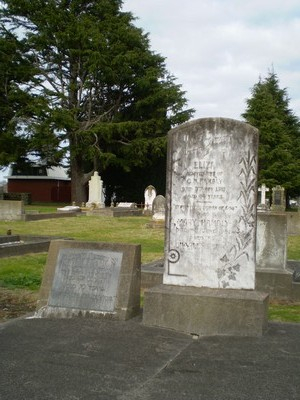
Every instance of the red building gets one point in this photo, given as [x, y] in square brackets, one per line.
[43, 184]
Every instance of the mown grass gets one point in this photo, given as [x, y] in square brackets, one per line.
[293, 248]
[44, 207]
[104, 229]
[284, 312]
[25, 272]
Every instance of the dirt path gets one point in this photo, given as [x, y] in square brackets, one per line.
[15, 303]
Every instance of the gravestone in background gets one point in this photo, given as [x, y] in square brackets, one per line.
[91, 279]
[210, 233]
[271, 245]
[149, 196]
[11, 210]
[159, 209]
[263, 201]
[96, 196]
[278, 199]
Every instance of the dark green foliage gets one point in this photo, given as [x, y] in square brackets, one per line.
[279, 148]
[14, 101]
[107, 96]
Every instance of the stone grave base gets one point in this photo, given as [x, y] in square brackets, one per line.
[279, 284]
[114, 212]
[206, 312]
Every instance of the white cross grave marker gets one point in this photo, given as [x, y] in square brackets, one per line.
[263, 189]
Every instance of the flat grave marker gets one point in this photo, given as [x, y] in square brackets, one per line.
[91, 279]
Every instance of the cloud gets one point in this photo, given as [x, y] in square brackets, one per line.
[217, 49]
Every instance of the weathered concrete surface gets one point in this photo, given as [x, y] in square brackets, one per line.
[205, 311]
[76, 359]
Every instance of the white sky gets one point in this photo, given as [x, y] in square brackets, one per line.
[218, 49]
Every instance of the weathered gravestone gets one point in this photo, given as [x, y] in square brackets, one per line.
[278, 199]
[271, 243]
[11, 210]
[149, 195]
[96, 196]
[209, 279]
[91, 279]
[159, 209]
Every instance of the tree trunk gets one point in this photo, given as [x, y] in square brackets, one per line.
[78, 191]
[78, 181]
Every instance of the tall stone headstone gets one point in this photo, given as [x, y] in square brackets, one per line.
[210, 232]
[211, 197]
[149, 196]
[96, 196]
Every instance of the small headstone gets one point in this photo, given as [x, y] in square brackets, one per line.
[263, 203]
[159, 208]
[96, 196]
[149, 194]
[91, 279]
[278, 199]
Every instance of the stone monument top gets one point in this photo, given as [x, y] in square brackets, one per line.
[96, 196]
[149, 195]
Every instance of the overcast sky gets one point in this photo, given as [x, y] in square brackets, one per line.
[218, 49]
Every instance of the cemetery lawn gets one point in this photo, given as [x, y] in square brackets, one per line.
[284, 312]
[293, 247]
[20, 277]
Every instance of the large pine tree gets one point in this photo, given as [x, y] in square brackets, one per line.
[15, 102]
[279, 144]
[109, 100]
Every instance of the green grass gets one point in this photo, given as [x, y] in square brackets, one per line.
[44, 207]
[284, 312]
[26, 271]
[23, 272]
[293, 248]
[102, 229]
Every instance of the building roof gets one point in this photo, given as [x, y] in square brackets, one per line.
[38, 172]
